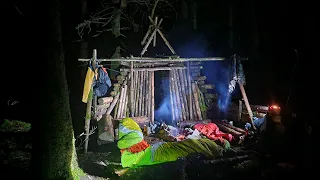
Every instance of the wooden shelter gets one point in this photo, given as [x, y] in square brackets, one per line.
[134, 93]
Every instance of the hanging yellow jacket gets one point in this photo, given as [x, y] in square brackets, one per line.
[87, 85]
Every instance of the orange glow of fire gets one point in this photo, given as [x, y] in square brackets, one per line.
[274, 107]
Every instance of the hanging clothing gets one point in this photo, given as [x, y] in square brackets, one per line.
[236, 73]
[87, 84]
[102, 84]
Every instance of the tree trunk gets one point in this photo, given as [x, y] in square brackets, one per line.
[56, 156]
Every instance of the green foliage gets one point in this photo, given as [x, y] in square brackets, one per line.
[14, 126]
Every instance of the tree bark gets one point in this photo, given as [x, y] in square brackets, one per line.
[56, 155]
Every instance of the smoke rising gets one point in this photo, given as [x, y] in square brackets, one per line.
[163, 113]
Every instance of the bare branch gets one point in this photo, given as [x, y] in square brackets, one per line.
[106, 13]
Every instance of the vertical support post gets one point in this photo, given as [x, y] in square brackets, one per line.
[246, 102]
[189, 91]
[171, 98]
[131, 91]
[89, 105]
[152, 96]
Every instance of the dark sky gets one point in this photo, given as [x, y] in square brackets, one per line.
[265, 31]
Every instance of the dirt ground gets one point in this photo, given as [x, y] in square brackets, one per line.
[102, 161]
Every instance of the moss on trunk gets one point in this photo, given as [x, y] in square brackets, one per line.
[58, 156]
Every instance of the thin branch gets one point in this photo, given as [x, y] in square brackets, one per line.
[18, 9]
[105, 14]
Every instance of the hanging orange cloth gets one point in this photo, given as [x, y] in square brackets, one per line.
[87, 84]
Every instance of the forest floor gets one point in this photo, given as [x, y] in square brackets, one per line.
[101, 162]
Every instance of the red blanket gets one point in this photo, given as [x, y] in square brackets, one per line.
[212, 131]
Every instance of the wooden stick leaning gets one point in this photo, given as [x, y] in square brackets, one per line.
[179, 86]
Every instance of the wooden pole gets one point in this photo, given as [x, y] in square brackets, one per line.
[173, 117]
[179, 88]
[149, 95]
[146, 106]
[146, 36]
[183, 89]
[87, 120]
[176, 89]
[150, 38]
[120, 103]
[161, 68]
[174, 95]
[126, 103]
[131, 91]
[113, 104]
[155, 35]
[143, 99]
[150, 60]
[196, 101]
[136, 89]
[152, 97]
[166, 41]
[88, 110]
[189, 92]
[140, 94]
[246, 102]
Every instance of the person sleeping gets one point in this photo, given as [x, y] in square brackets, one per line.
[135, 151]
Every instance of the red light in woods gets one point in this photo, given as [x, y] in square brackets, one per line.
[274, 107]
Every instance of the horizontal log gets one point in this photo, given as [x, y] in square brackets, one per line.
[137, 64]
[160, 68]
[233, 127]
[226, 129]
[169, 59]
[207, 86]
[105, 100]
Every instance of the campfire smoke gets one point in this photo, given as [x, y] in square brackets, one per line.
[163, 113]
